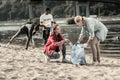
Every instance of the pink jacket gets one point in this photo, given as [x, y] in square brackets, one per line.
[51, 44]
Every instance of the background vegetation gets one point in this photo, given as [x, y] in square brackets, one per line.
[19, 9]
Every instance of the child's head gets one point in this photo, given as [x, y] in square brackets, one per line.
[56, 29]
[36, 28]
[47, 11]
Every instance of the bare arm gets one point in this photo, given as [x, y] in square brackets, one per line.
[88, 41]
[80, 38]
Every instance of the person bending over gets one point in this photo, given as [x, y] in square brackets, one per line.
[29, 30]
[97, 32]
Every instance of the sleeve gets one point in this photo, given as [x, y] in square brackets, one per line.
[51, 18]
[31, 30]
[91, 31]
[82, 32]
[41, 19]
[53, 41]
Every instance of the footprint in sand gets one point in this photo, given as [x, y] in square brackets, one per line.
[39, 78]
[2, 76]
[71, 78]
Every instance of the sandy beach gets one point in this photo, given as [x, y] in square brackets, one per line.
[16, 63]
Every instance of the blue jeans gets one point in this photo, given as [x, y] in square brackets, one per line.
[51, 29]
[56, 55]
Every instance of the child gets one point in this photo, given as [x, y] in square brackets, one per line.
[29, 30]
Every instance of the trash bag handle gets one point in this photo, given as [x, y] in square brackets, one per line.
[77, 43]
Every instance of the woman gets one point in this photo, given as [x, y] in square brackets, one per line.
[97, 32]
[56, 43]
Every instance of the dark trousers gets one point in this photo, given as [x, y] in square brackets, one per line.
[46, 33]
[24, 30]
[56, 55]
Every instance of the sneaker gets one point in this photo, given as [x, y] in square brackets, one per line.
[7, 44]
[47, 59]
[77, 65]
[65, 61]
[33, 46]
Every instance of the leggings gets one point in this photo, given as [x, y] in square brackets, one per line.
[24, 30]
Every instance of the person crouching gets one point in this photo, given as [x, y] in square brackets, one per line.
[56, 43]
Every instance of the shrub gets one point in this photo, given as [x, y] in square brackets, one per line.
[70, 21]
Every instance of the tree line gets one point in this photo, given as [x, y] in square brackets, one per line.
[19, 9]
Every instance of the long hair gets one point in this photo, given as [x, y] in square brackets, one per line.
[57, 37]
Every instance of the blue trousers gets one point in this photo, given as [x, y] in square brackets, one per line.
[56, 55]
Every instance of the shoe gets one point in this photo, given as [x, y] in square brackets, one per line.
[26, 48]
[47, 59]
[77, 65]
[33, 46]
[7, 44]
[65, 61]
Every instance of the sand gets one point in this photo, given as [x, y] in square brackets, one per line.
[16, 63]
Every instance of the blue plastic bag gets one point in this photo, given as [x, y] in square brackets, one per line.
[78, 54]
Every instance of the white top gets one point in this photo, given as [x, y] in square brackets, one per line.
[46, 19]
[28, 26]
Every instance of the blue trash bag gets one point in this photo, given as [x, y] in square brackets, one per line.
[78, 54]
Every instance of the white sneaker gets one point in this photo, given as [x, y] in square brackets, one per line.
[7, 44]
[47, 59]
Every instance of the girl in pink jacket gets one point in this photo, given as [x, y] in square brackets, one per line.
[55, 43]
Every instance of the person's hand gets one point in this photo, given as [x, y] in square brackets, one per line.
[78, 41]
[58, 43]
[85, 45]
[47, 25]
[67, 40]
